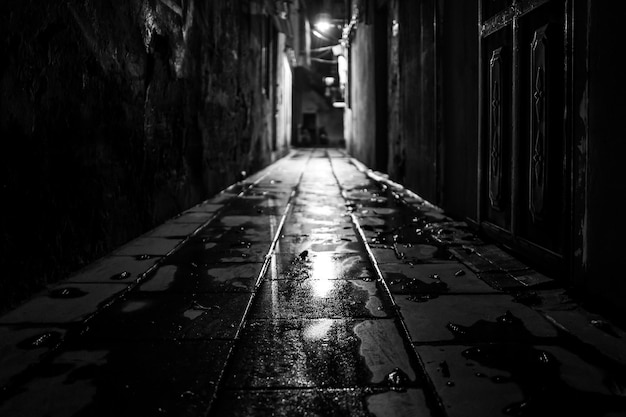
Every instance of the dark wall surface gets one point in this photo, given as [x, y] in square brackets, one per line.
[115, 116]
[602, 108]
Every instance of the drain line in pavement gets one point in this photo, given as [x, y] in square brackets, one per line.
[259, 280]
[434, 396]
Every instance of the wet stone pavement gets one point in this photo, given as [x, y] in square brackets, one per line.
[314, 287]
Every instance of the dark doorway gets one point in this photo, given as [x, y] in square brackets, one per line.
[525, 162]
[309, 124]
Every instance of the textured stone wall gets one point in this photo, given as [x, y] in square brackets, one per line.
[116, 115]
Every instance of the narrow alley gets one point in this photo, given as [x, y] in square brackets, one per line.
[377, 208]
[313, 287]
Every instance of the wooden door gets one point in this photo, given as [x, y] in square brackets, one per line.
[525, 157]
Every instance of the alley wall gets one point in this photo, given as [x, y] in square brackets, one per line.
[116, 116]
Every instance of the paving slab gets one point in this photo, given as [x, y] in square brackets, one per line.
[170, 317]
[237, 234]
[154, 246]
[321, 353]
[357, 402]
[319, 298]
[415, 253]
[519, 379]
[205, 207]
[173, 229]
[191, 278]
[193, 217]
[121, 269]
[121, 379]
[202, 251]
[64, 303]
[22, 347]
[477, 318]
[593, 329]
[320, 242]
[453, 277]
[322, 266]
[308, 227]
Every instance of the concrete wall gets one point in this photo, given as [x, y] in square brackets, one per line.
[430, 82]
[361, 140]
[115, 116]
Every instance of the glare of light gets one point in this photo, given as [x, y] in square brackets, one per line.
[323, 25]
[329, 80]
[319, 35]
[321, 275]
[318, 329]
[321, 210]
[339, 104]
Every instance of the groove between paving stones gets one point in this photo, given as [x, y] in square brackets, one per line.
[430, 391]
[257, 285]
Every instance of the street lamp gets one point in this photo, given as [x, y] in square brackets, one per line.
[325, 23]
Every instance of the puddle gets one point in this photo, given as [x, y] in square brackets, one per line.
[539, 375]
[397, 380]
[384, 353]
[67, 292]
[43, 340]
[132, 306]
[506, 328]
[120, 276]
[193, 313]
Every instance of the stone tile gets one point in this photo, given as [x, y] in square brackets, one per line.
[355, 402]
[317, 298]
[475, 315]
[296, 225]
[254, 205]
[320, 214]
[191, 278]
[472, 259]
[63, 303]
[530, 278]
[171, 316]
[453, 276]
[407, 403]
[322, 266]
[113, 269]
[468, 388]
[318, 199]
[588, 327]
[205, 207]
[499, 258]
[511, 379]
[222, 198]
[173, 229]
[501, 280]
[21, 347]
[237, 234]
[194, 217]
[202, 251]
[319, 353]
[159, 246]
[257, 222]
[406, 252]
[122, 379]
[327, 242]
[453, 233]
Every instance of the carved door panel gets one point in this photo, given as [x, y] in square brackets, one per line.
[524, 163]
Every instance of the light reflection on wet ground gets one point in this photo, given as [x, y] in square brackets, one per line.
[224, 326]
